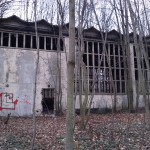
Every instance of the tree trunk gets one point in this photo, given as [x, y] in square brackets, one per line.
[35, 82]
[70, 73]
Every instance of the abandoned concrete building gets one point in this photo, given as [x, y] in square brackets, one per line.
[18, 54]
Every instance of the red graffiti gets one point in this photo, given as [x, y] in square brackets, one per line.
[6, 100]
[27, 102]
[16, 102]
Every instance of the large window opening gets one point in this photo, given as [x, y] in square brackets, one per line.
[48, 43]
[20, 40]
[34, 42]
[97, 64]
[61, 44]
[48, 100]
[5, 39]
[54, 44]
[27, 41]
[41, 42]
[13, 40]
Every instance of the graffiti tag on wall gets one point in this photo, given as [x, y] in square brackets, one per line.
[7, 101]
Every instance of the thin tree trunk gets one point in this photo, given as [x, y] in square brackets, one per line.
[35, 82]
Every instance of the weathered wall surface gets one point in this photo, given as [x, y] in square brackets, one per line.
[17, 74]
[106, 101]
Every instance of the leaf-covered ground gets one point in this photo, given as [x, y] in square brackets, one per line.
[121, 131]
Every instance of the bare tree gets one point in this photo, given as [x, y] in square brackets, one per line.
[81, 76]
[61, 6]
[4, 6]
[35, 81]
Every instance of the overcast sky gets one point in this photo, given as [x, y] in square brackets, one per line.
[25, 9]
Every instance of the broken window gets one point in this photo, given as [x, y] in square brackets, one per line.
[107, 86]
[91, 85]
[27, 41]
[48, 43]
[136, 74]
[101, 63]
[85, 46]
[112, 61]
[106, 74]
[54, 44]
[117, 74]
[117, 61]
[20, 40]
[118, 87]
[61, 44]
[100, 48]
[121, 52]
[113, 74]
[12, 40]
[34, 45]
[111, 49]
[90, 47]
[144, 64]
[97, 64]
[122, 62]
[106, 62]
[122, 74]
[96, 60]
[116, 49]
[123, 87]
[5, 39]
[90, 73]
[95, 47]
[135, 62]
[102, 74]
[85, 58]
[41, 42]
[102, 86]
[90, 60]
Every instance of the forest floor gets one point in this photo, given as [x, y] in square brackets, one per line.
[121, 131]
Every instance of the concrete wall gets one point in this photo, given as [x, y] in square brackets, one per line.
[106, 101]
[17, 75]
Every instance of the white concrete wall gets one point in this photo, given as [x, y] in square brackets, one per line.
[105, 101]
[17, 74]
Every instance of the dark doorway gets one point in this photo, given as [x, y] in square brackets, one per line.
[48, 100]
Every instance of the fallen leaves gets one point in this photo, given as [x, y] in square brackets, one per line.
[120, 131]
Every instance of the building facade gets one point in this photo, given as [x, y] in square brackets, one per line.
[18, 55]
